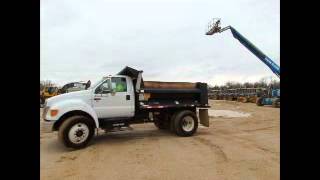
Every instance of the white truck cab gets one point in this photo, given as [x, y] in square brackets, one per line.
[112, 96]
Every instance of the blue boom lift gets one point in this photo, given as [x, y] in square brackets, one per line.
[272, 97]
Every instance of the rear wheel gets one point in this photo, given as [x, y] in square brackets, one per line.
[172, 119]
[185, 123]
[76, 131]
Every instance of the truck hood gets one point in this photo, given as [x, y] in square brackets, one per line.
[80, 95]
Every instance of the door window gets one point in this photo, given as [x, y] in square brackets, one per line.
[119, 84]
[104, 88]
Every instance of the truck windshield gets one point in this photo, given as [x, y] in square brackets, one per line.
[96, 83]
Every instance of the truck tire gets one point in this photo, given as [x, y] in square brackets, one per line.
[172, 119]
[76, 131]
[259, 101]
[185, 123]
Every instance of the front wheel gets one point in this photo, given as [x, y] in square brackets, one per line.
[185, 123]
[76, 131]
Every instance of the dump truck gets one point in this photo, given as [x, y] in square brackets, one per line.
[115, 102]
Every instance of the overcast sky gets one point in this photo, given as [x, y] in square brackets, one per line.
[82, 39]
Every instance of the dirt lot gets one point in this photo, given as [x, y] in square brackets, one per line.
[234, 147]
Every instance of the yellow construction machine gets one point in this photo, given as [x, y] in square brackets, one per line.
[47, 92]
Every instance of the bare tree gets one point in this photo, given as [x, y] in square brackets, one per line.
[46, 83]
[41, 86]
[275, 84]
[248, 85]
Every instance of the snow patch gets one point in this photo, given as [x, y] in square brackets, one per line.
[227, 113]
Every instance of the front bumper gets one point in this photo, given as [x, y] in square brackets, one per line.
[47, 126]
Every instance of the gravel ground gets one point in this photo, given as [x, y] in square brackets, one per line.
[242, 142]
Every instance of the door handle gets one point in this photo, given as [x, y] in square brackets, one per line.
[96, 98]
[127, 97]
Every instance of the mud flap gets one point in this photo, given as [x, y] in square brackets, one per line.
[204, 117]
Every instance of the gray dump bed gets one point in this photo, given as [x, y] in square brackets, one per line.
[167, 93]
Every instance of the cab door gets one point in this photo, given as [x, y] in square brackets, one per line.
[112, 99]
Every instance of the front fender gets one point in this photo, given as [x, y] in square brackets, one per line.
[64, 107]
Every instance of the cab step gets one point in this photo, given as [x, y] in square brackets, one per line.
[117, 129]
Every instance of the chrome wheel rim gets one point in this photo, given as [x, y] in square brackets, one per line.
[187, 123]
[78, 133]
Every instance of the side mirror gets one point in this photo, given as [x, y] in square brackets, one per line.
[105, 90]
[102, 90]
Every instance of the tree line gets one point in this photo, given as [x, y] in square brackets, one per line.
[263, 83]
[46, 83]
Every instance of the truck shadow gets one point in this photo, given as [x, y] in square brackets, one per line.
[134, 135]
[122, 137]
